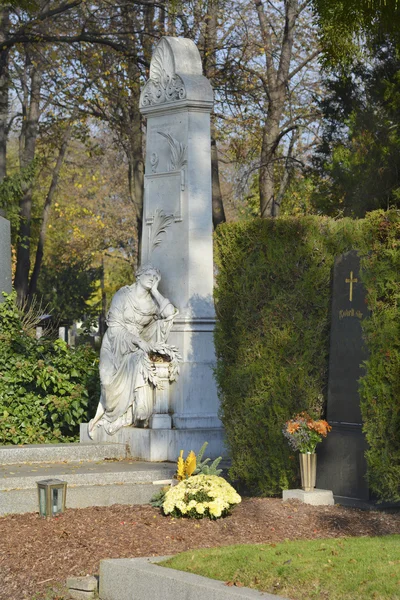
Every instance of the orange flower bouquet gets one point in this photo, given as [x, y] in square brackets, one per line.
[304, 433]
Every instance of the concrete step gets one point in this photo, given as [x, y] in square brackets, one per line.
[89, 483]
[46, 453]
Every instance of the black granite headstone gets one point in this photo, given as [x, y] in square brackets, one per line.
[347, 350]
[341, 463]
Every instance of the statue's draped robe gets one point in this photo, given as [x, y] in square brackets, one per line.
[126, 396]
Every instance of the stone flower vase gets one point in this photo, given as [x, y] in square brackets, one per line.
[308, 471]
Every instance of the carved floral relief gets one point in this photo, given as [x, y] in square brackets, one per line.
[178, 152]
[164, 85]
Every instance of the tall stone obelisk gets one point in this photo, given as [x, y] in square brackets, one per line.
[5, 257]
[177, 226]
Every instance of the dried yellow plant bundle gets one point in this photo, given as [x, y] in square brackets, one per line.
[180, 468]
[190, 464]
[194, 465]
[185, 468]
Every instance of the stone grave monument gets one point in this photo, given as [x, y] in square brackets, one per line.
[341, 464]
[177, 244]
[5, 256]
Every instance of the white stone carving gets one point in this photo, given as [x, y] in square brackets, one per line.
[163, 189]
[154, 160]
[157, 228]
[139, 322]
[176, 78]
[178, 152]
[164, 84]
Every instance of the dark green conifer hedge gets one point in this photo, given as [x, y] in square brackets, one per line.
[272, 339]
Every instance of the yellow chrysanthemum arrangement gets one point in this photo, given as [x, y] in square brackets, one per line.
[200, 496]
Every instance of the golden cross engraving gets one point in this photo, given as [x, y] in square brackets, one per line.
[351, 281]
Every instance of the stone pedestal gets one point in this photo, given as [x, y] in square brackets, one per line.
[158, 445]
[177, 224]
[5, 257]
[161, 419]
[315, 497]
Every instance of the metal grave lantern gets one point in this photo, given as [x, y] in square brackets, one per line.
[52, 496]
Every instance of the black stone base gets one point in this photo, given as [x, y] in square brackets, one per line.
[342, 467]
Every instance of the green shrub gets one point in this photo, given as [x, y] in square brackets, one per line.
[46, 387]
[273, 298]
[380, 388]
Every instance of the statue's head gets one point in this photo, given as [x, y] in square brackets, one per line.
[147, 275]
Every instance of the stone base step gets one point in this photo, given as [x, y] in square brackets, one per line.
[315, 497]
[100, 483]
[46, 453]
[156, 445]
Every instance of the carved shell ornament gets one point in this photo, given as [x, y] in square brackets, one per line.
[164, 84]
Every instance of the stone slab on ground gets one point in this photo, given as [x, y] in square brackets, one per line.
[81, 595]
[45, 453]
[89, 484]
[141, 579]
[82, 588]
[87, 584]
[315, 497]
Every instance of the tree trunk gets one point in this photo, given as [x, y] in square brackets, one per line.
[103, 313]
[288, 172]
[132, 119]
[209, 65]
[276, 82]
[28, 155]
[172, 12]
[218, 213]
[270, 139]
[135, 157]
[46, 212]
[136, 176]
[4, 25]
[161, 19]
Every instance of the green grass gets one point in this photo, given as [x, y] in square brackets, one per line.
[333, 569]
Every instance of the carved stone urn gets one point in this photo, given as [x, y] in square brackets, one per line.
[308, 471]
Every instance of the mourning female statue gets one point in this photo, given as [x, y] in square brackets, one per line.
[139, 321]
